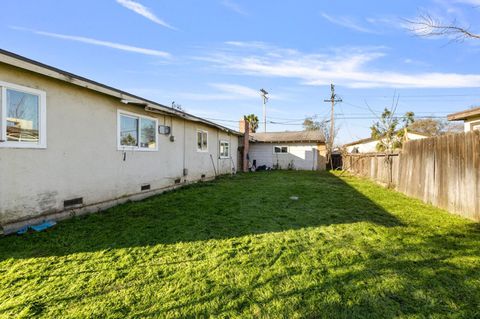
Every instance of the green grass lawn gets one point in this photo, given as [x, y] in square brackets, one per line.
[239, 247]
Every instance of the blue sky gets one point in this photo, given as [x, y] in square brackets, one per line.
[213, 56]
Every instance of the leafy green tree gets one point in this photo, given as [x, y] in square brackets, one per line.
[387, 131]
[309, 124]
[252, 120]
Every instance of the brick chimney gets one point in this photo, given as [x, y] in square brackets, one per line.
[241, 125]
[245, 129]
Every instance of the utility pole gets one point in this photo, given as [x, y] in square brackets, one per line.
[264, 94]
[333, 99]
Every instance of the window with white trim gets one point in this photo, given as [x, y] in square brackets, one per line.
[23, 117]
[137, 132]
[202, 141]
[280, 149]
[224, 149]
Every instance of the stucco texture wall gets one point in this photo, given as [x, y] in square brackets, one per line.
[82, 159]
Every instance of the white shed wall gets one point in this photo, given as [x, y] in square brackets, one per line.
[304, 156]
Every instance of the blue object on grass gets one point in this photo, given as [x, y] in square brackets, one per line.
[43, 226]
[39, 227]
[22, 230]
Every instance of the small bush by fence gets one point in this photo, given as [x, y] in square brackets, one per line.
[443, 171]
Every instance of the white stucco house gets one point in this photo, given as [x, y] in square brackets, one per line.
[470, 118]
[70, 145]
[303, 150]
[369, 145]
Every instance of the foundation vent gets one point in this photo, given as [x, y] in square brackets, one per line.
[145, 187]
[203, 176]
[73, 202]
[178, 181]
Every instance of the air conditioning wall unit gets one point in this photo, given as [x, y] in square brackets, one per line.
[164, 129]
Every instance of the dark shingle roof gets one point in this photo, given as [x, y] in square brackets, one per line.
[288, 137]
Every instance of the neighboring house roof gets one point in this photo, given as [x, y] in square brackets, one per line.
[371, 139]
[464, 115]
[288, 137]
[125, 97]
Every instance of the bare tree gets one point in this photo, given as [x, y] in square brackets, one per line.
[426, 25]
[435, 127]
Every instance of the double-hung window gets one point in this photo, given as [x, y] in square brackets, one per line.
[137, 132]
[280, 149]
[202, 141]
[224, 149]
[23, 117]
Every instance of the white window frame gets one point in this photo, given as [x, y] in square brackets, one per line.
[42, 114]
[281, 146]
[121, 147]
[220, 148]
[475, 126]
[201, 149]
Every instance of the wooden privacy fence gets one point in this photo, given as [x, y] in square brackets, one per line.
[443, 171]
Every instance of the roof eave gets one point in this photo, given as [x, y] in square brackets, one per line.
[280, 141]
[50, 71]
[464, 115]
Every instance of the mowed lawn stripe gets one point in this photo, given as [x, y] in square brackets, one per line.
[241, 247]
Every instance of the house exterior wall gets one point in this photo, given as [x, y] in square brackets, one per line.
[371, 146]
[472, 124]
[367, 147]
[304, 156]
[82, 159]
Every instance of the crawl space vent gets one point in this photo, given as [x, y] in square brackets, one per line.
[73, 202]
[145, 187]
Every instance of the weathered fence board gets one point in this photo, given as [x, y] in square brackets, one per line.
[443, 171]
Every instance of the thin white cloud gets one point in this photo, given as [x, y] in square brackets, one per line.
[225, 92]
[113, 45]
[469, 2]
[143, 11]
[235, 7]
[237, 90]
[350, 67]
[346, 22]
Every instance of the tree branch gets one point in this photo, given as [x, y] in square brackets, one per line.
[427, 26]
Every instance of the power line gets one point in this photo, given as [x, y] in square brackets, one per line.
[414, 96]
[360, 118]
[343, 116]
[333, 100]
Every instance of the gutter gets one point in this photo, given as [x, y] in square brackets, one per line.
[21, 62]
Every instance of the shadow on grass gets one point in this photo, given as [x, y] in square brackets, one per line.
[229, 207]
[391, 270]
[435, 277]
